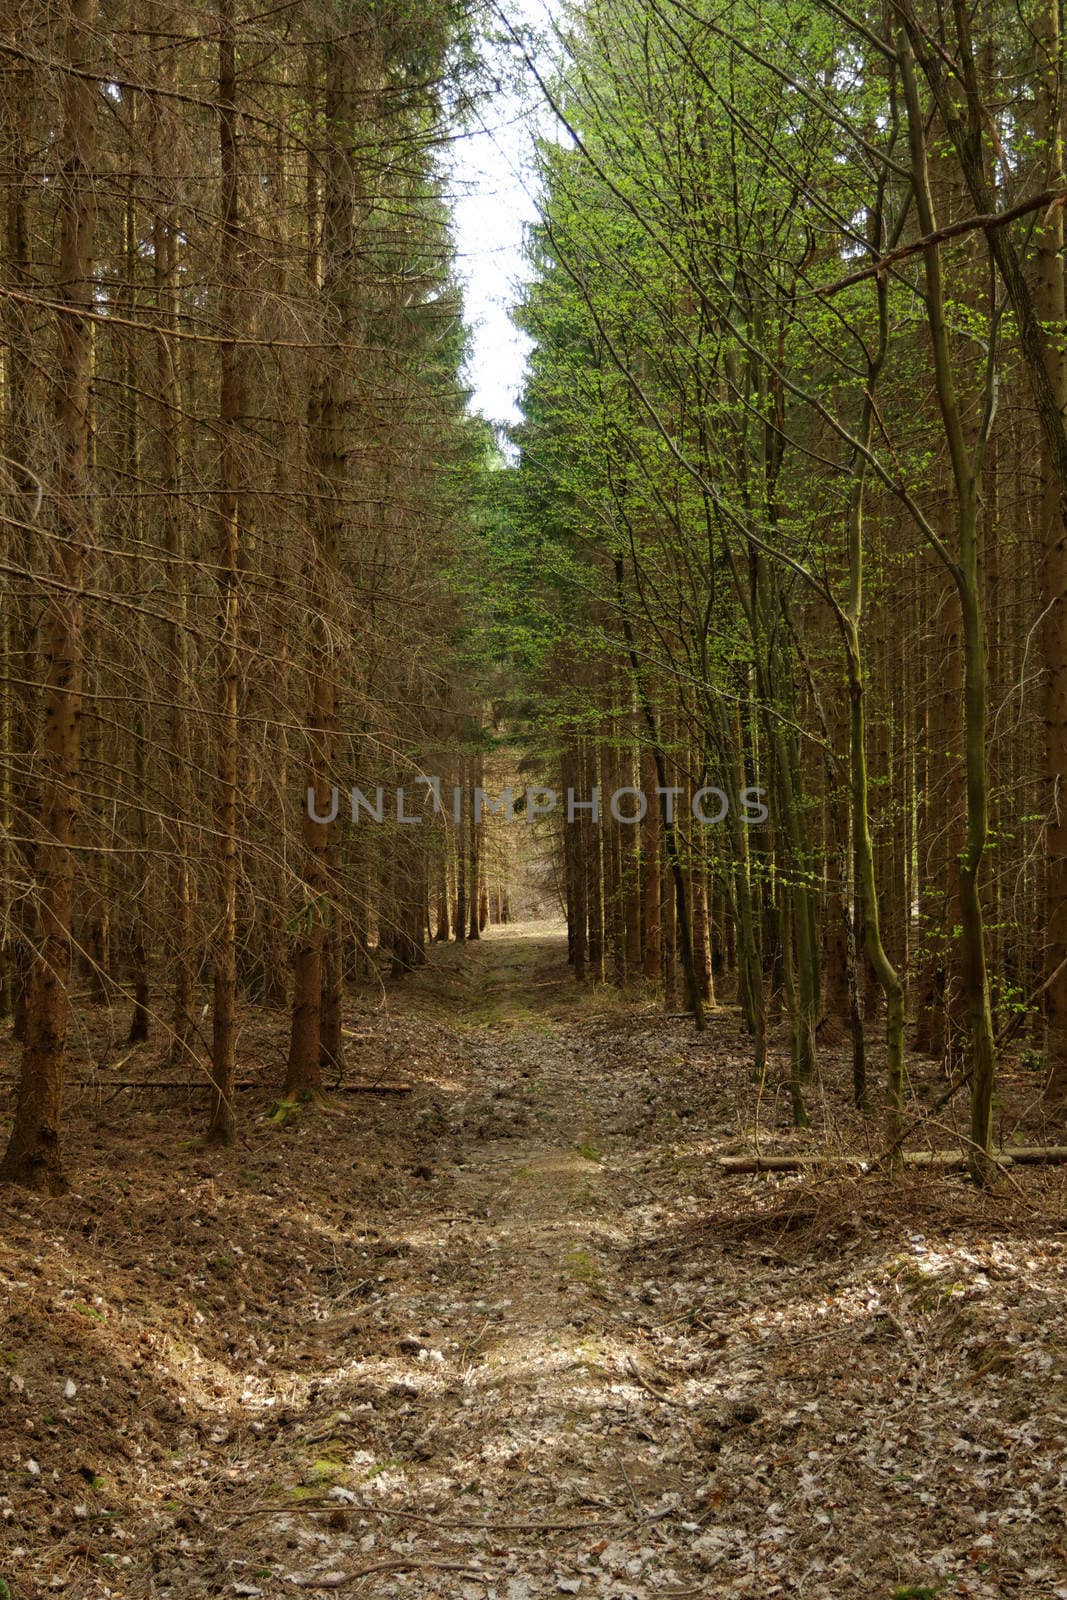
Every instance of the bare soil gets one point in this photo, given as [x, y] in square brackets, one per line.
[513, 1334]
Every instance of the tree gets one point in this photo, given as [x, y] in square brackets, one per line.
[33, 1156]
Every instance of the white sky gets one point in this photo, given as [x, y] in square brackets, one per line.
[493, 190]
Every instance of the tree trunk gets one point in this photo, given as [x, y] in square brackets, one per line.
[222, 1124]
[650, 870]
[475, 886]
[33, 1156]
[178, 931]
[328, 516]
[966, 462]
[1052, 312]
[594, 888]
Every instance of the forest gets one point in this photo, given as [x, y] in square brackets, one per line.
[533, 948]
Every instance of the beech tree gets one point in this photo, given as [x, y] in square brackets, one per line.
[721, 450]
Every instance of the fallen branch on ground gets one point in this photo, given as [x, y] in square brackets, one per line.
[657, 1394]
[1051, 1155]
[330, 1503]
[247, 1083]
[337, 1580]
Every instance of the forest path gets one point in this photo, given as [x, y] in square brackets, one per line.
[545, 1409]
[513, 1335]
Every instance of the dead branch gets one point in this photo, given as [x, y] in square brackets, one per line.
[1051, 1155]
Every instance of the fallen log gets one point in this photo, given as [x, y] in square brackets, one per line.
[797, 1163]
[1051, 1155]
[196, 1083]
[1034, 1155]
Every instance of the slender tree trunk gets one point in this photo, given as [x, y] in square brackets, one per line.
[650, 870]
[178, 935]
[574, 847]
[788, 908]
[668, 820]
[441, 870]
[701, 927]
[331, 1037]
[937, 986]
[668, 940]
[329, 513]
[222, 1124]
[594, 889]
[616, 898]
[15, 642]
[140, 909]
[33, 1155]
[631, 857]
[966, 467]
[475, 888]
[96, 940]
[727, 741]
[1052, 312]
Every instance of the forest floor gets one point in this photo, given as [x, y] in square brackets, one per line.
[514, 1335]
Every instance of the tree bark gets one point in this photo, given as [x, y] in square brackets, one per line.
[33, 1156]
[966, 469]
[222, 1122]
[328, 513]
[1051, 309]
